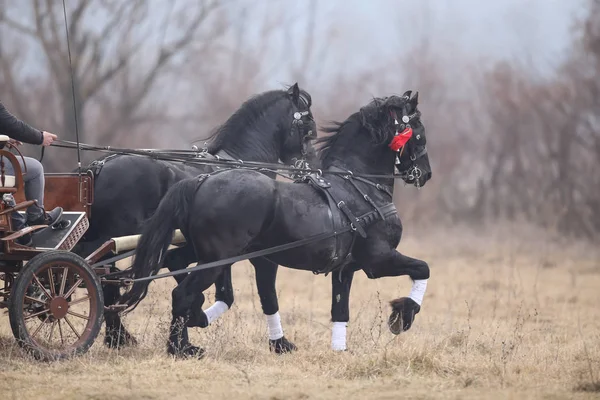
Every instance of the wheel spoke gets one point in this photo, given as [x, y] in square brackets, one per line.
[80, 300]
[62, 339]
[72, 327]
[51, 280]
[36, 314]
[78, 315]
[64, 281]
[37, 281]
[39, 327]
[33, 299]
[52, 331]
[73, 288]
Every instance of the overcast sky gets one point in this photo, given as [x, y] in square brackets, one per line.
[365, 30]
[537, 30]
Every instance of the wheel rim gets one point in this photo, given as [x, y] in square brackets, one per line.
[60, 307]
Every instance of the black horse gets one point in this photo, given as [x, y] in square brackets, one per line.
[233, 212]
[275, 125]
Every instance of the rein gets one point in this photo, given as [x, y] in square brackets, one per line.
[195, 157]
[232, 260]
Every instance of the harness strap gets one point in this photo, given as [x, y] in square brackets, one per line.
[366, 219]
[354, 221]
[379, 186]
[336, 221]
[247, 256]
[357, 224]
[347, 174]
[367, 198]
[222, 154]
[96, 165]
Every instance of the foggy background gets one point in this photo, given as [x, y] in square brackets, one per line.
[509, 90]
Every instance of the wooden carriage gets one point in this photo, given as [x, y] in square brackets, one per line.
[53, 296]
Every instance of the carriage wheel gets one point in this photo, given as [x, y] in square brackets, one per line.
[56, 306]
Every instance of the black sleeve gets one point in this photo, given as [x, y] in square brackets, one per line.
[17, 129]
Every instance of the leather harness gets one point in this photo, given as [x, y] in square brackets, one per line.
[338, 208]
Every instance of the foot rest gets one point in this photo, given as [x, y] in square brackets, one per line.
[73, 228]
[23, 232]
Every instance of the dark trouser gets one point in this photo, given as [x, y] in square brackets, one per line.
[34, 190]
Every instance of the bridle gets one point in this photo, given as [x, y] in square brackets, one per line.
[412, 173]
[301, 120]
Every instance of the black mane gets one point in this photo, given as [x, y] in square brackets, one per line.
[336, 130]
[249, 112]
[377, 130]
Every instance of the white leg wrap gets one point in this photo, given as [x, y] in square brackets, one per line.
[274, 326]
[215, 311]
[418, 290]
[338, 336]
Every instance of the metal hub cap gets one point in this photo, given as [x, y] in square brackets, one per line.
[59, 306]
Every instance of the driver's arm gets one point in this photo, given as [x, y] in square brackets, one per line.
[17, 129]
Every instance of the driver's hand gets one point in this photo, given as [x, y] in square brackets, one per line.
[48, 138]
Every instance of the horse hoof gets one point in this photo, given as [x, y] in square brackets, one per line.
[403, 314]
[341, 351]
[187, 352]
[197, 319]
[119, 339]
[282, 346]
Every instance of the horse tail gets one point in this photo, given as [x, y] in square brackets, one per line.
[157, 235]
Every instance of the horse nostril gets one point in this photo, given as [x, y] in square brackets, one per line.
[428, 175]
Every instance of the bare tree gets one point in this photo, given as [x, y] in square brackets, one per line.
[119, 50]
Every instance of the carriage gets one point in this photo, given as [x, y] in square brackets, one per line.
[54, 297]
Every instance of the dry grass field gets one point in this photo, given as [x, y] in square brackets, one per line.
[510, 314]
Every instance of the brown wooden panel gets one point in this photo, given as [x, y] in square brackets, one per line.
[64, 190]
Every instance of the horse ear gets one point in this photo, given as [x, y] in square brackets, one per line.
[407, 94]
[414, 101]
[294, 91]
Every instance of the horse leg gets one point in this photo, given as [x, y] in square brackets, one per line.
[404, 309]
[116, 335]
[182, 257]
[179, 258]
[187, 295]
[266, 274]
[223, 296]
[340, 306]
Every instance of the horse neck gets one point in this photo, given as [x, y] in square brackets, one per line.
[260, 141]
[356, 152]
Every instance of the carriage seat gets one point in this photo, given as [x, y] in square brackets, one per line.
[9, 180]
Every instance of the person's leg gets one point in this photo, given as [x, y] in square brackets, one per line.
[34, 190]
[34, 187]
[18, 220]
